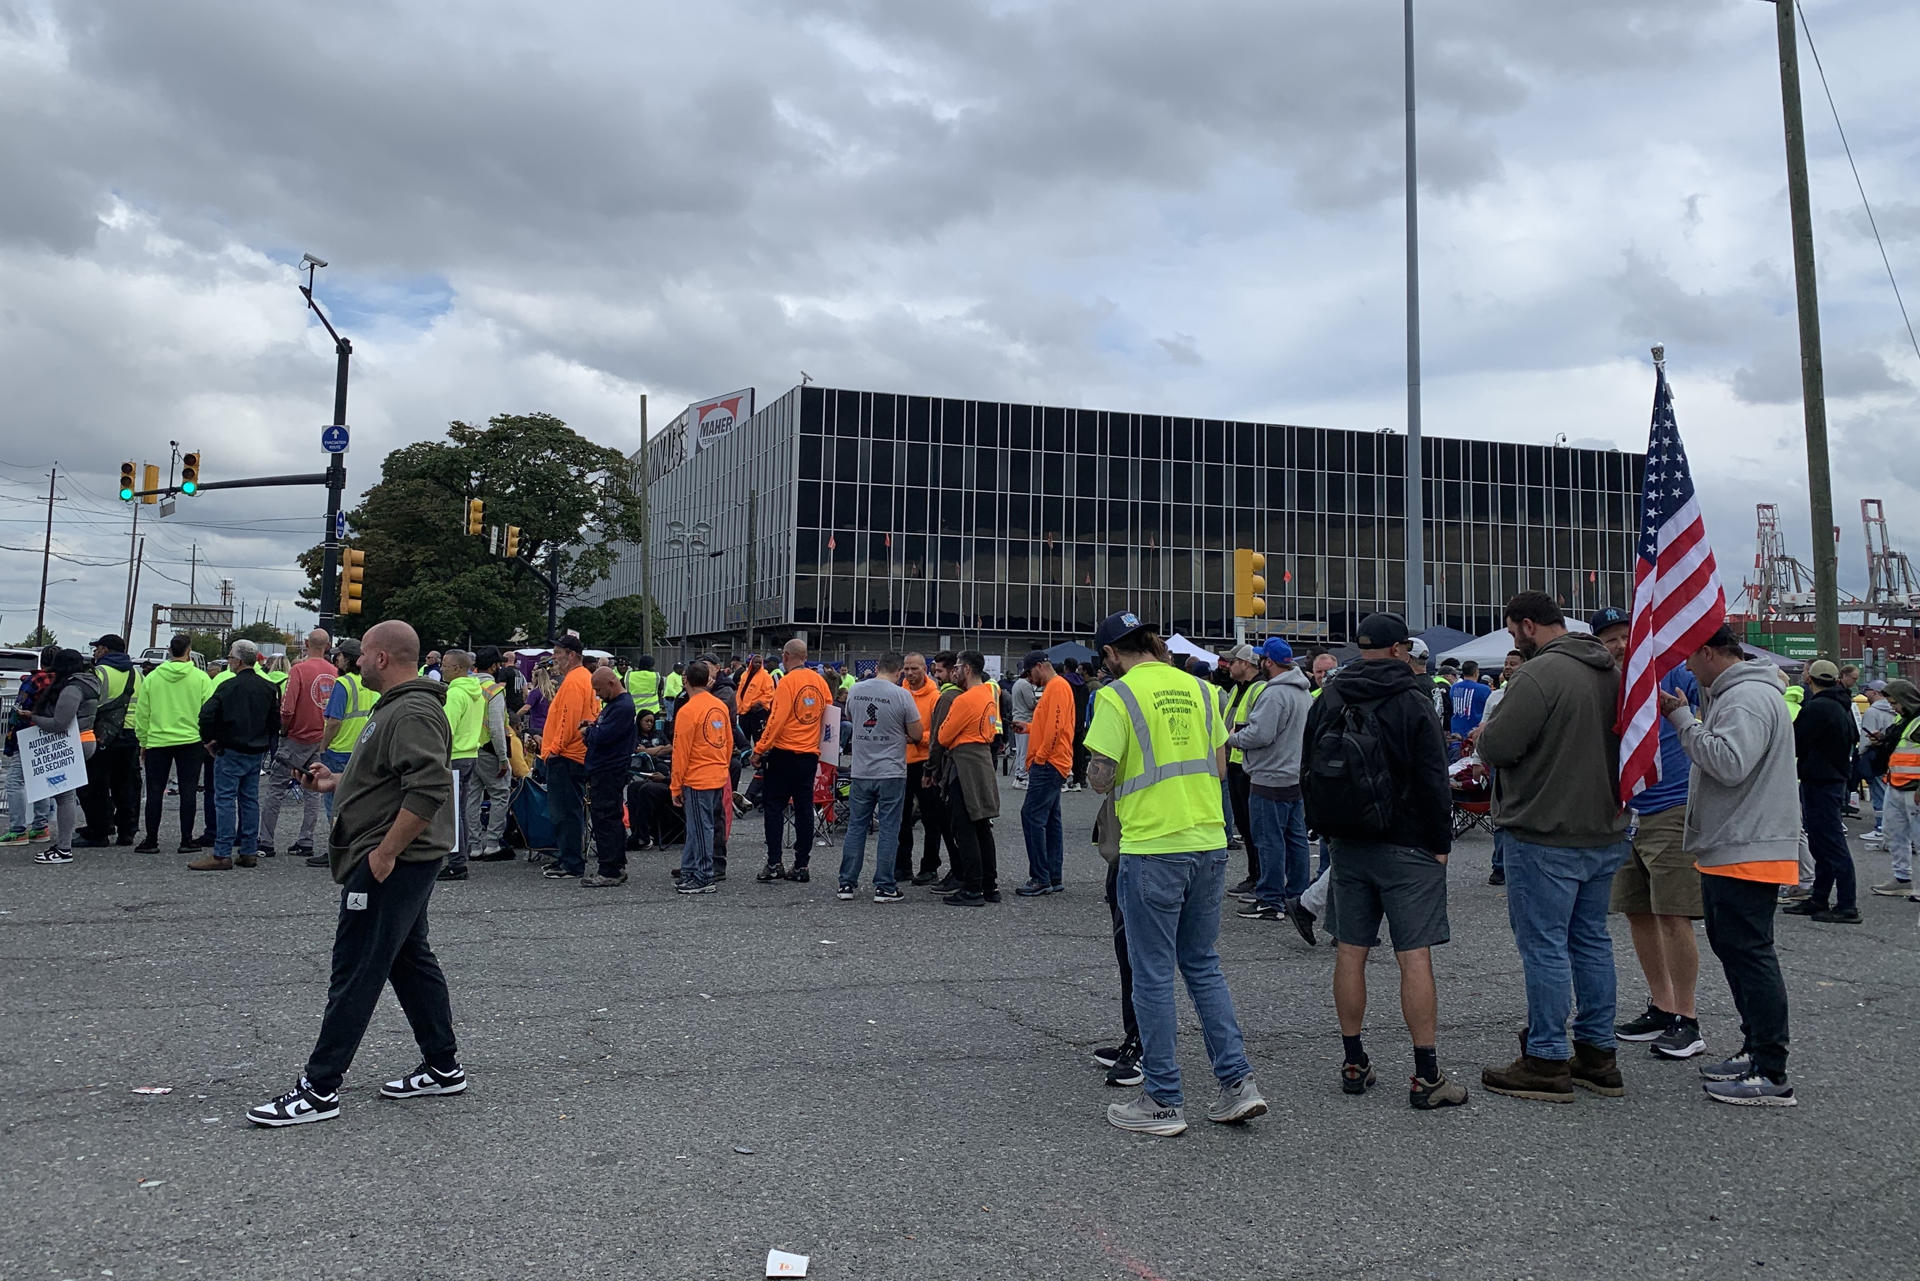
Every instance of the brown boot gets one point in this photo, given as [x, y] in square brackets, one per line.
[1546, 1080]
[1595, 1069]
[208, 863]
[246, 860]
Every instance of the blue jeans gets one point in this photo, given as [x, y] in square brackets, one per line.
[702, 809]
[1877, 790]
[1040, 820]
[1171, 906]
[1500, 839]
[236, 803]
[17, 807]
[1280, 832]
[874, 802]
[1557, 903]
[567, 809]
[1226, 809]
[337, 762]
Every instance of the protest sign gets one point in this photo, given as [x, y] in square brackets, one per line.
[52, 763]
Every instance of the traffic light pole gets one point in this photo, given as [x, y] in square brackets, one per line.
[336, 484]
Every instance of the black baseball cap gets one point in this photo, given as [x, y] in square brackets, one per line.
[1381, 631]
[1033, 659]
[109, 641]
[1116, 627]
[571, 644]
[1609, 617]
[487, 657]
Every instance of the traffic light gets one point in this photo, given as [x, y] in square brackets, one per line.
[513, 541]
[476, 515]
[150, 481]
[1249, 584]
[190, 473]
[353, 574]
[126, 482]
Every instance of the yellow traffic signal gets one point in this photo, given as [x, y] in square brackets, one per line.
[353, 574]
[513, 541]
[190, 473]
[1249, 584]
[150, 481]
[476, 515]
[126, 482]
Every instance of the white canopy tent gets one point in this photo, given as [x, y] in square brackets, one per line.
[1491, 650]
[1179, 644]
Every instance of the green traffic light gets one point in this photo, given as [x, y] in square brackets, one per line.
[126, 495]
[186, 487]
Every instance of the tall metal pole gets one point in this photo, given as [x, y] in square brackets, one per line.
[46, 558]
[1416, 539]
[1813, 386]
[753, 565]
[336, 486]
[133, 593]
[646, 537]
[133, 543]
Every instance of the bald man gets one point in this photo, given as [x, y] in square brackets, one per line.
[393, 823]
[610, 741]
[790, 748]
[303, 733]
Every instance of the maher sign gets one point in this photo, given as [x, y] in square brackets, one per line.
[709, 420]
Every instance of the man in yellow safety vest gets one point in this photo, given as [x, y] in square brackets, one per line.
[346, 716]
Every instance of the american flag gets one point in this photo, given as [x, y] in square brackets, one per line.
[1677, 598]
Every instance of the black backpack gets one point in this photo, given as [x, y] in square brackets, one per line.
[110, 718]
[1350, 789]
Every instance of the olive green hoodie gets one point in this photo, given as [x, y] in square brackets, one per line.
[168, 711]
[1555, 757]
[400, 763]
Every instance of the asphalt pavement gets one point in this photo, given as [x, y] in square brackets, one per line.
[668, 1087]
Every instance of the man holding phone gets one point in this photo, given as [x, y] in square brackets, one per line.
[393, 824]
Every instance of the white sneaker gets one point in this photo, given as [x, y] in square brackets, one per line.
[1874, 838]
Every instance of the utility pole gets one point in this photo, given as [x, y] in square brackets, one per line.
[133, 593]
[1416, 521]
[133, 541]
[753, 565]
[193, 575]
[46, 558]
[1813, 383]
[336, 469]
[646, 537]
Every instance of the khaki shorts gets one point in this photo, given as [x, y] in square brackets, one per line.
[1658, 876]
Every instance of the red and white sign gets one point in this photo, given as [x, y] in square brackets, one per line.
[712, 419]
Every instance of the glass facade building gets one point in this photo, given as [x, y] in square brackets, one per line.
[894, 520]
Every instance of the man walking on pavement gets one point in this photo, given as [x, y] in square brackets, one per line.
[1743, 832]
[111, 799]
[885, 720]
[166, 720]
[1374, 775]
[610, 742]
[1556, 771]
[303, 717]
[565, 754]
[1658, 888]
[392, 824]
[466, 730]
[1158, 744]
[789, 746]
[1824, 736]
[491, 779]
[1048, 735]
[237, 723]
[1271, 741]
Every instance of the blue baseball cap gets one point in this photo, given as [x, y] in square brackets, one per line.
[1116, 627]
[1277, 651]
[1611, 616]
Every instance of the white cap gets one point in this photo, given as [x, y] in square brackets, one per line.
[1417, 647]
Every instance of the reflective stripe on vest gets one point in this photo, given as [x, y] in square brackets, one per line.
[1237, 718]
[348, 734]
[1151, 771]
[1903, 767]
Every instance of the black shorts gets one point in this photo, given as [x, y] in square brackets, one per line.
[1407, 886]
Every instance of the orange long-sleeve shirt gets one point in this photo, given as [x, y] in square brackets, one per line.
[759, 691]
[702, 745]
[973, 718]
[925, 698]
[572, 703]
[799, 701]
[1050, 741]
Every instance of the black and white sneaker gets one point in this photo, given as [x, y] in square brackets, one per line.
[844, 893]
[53, 856]
[1258, 911]
[1647, 1027]
[889, 896]
[1110, 1055]
[1126, 1071]
[426, 1080]
[297, 1106]
[1680, 1040]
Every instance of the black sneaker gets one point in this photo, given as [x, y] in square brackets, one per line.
[1245, 886]
[1647, 1027]
[560, 874]
[1680, 1039]
[264, 849]
[1498, 876]
[799, 874]
[1803, 907]
[889, 896]
[1302, 920]
[317, 860]
[1126, 1071]
[1260, 912]
[924, 878]
[844, 893]
[771, 872]
[192, 845]
[1836, 916]
[1033, 889]
[426, 1080]
[991, 896]
[452, 874]
[1112, 1054]
[1357, 1078]
[297, 1106]
[92, 842]
[960, 898]
[147, 847]
[948, 884]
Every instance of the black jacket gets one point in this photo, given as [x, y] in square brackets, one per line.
[1825, 734]
[243, 714]
[1416, 750]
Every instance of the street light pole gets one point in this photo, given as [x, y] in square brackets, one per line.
[1415, 505]
[337, 468]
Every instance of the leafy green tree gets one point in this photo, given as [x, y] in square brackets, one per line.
[209, 645]
[613, 624]
[571, 499]
[260, 633]
[39, 638]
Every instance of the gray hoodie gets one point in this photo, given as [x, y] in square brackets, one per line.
[1555, 757]
[1275, 730]
[1743, 796]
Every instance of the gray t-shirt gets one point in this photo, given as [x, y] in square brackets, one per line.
[880, 712]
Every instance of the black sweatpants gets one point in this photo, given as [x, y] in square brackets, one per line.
[975, 861]
[1128, 1019]
[787, 779]
[1739, 918]
[1239, 794]
[381, 939]
[111, 799]
[930, 805]
[183, 761]
[605, 792]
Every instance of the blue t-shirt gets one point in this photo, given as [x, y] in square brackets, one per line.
[1469, 702]
[1671, 790]
[337, 702]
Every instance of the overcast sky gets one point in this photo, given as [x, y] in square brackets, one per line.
[1191, 209]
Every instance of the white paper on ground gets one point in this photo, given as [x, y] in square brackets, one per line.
[782, 1264]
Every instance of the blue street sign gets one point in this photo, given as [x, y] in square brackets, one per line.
[339, 526]
[334, 439]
